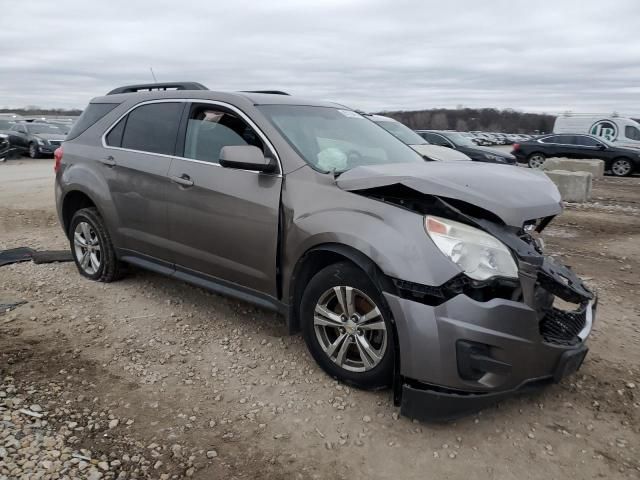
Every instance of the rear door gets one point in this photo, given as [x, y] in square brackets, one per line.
[223, 222]
[137, 159]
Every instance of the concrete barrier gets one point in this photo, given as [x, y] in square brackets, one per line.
[573, 186]
[594, 167]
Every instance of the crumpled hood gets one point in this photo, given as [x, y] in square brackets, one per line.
[515, 195]
[438, 153]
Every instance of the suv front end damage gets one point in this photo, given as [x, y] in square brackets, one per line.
[468, 342]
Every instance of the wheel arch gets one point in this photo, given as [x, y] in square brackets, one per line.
[73, 201]
[318, 257]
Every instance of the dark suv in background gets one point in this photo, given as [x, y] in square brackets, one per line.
[464, 144]
[427, 276]
[620, 161]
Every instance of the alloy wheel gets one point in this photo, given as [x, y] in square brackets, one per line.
[536, 161]
[621, 167]
[87, 248]
[350, 329]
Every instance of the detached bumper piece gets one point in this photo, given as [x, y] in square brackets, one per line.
[430, 403]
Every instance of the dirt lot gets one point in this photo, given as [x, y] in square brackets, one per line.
[151, 378]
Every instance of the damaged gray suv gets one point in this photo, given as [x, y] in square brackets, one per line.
[428, 277]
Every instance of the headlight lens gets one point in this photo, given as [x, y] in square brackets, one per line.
[480, 255]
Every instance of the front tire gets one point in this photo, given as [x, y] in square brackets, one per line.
[91, 247]
[33, 150]
[536, 160]
[347, 328]
[621, 167]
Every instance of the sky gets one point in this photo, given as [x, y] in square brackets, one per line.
[538, 56]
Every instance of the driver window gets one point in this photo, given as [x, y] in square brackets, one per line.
[210, 128]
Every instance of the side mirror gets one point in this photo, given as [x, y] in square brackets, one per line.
[245, 157]
[601, 146]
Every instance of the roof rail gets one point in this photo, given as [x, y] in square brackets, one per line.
[149, 87]
[272, 92]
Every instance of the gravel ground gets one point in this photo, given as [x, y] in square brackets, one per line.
[152, 378]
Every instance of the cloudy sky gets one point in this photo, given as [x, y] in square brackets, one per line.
[545, 56]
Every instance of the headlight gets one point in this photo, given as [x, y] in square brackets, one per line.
[4, 135]
[480, 255]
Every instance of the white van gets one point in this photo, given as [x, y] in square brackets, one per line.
[623, 131]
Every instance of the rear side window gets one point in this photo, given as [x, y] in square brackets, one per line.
[553, 139]
[114, 137]
[153, 128]
[91, 114]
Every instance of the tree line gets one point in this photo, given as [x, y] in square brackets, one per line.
[34, 110]
[472, 119]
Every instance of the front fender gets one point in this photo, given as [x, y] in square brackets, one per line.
[394, 238]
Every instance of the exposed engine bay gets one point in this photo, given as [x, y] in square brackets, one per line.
[541, 278]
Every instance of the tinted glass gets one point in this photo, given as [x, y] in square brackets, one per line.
[114, 137]
[586, 141]
[209, 129]
[553, 139]
[36, 128]
[5, 124]
[401, 132]
[459, 139]
[632, 132]
[93, 113]
[436, 139]
[153, 128]
[333, 139]
[567, 139]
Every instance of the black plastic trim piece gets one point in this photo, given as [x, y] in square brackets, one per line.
[158, 86]
[202, 280]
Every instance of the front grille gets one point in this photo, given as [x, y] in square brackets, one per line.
[561, 328]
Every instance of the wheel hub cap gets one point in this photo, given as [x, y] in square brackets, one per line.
[87, 248]
[350, 329]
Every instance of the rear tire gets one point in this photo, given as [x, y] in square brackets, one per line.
[536, 160]
[621, 167]
[91, 247]
[354, 310]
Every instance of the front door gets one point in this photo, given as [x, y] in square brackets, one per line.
[223, 223]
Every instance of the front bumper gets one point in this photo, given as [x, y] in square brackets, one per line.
[463, 355]
[47, 149]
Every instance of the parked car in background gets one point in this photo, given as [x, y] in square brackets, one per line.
[620, 161]
[415, 141]
[480, 139]
[36, 139]
[620, 131]
[5, 146]
[460, 142]
[424, 276]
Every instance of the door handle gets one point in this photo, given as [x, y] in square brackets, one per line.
[184, 180]
[109, 161]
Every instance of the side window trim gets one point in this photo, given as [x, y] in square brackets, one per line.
[187, 109]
